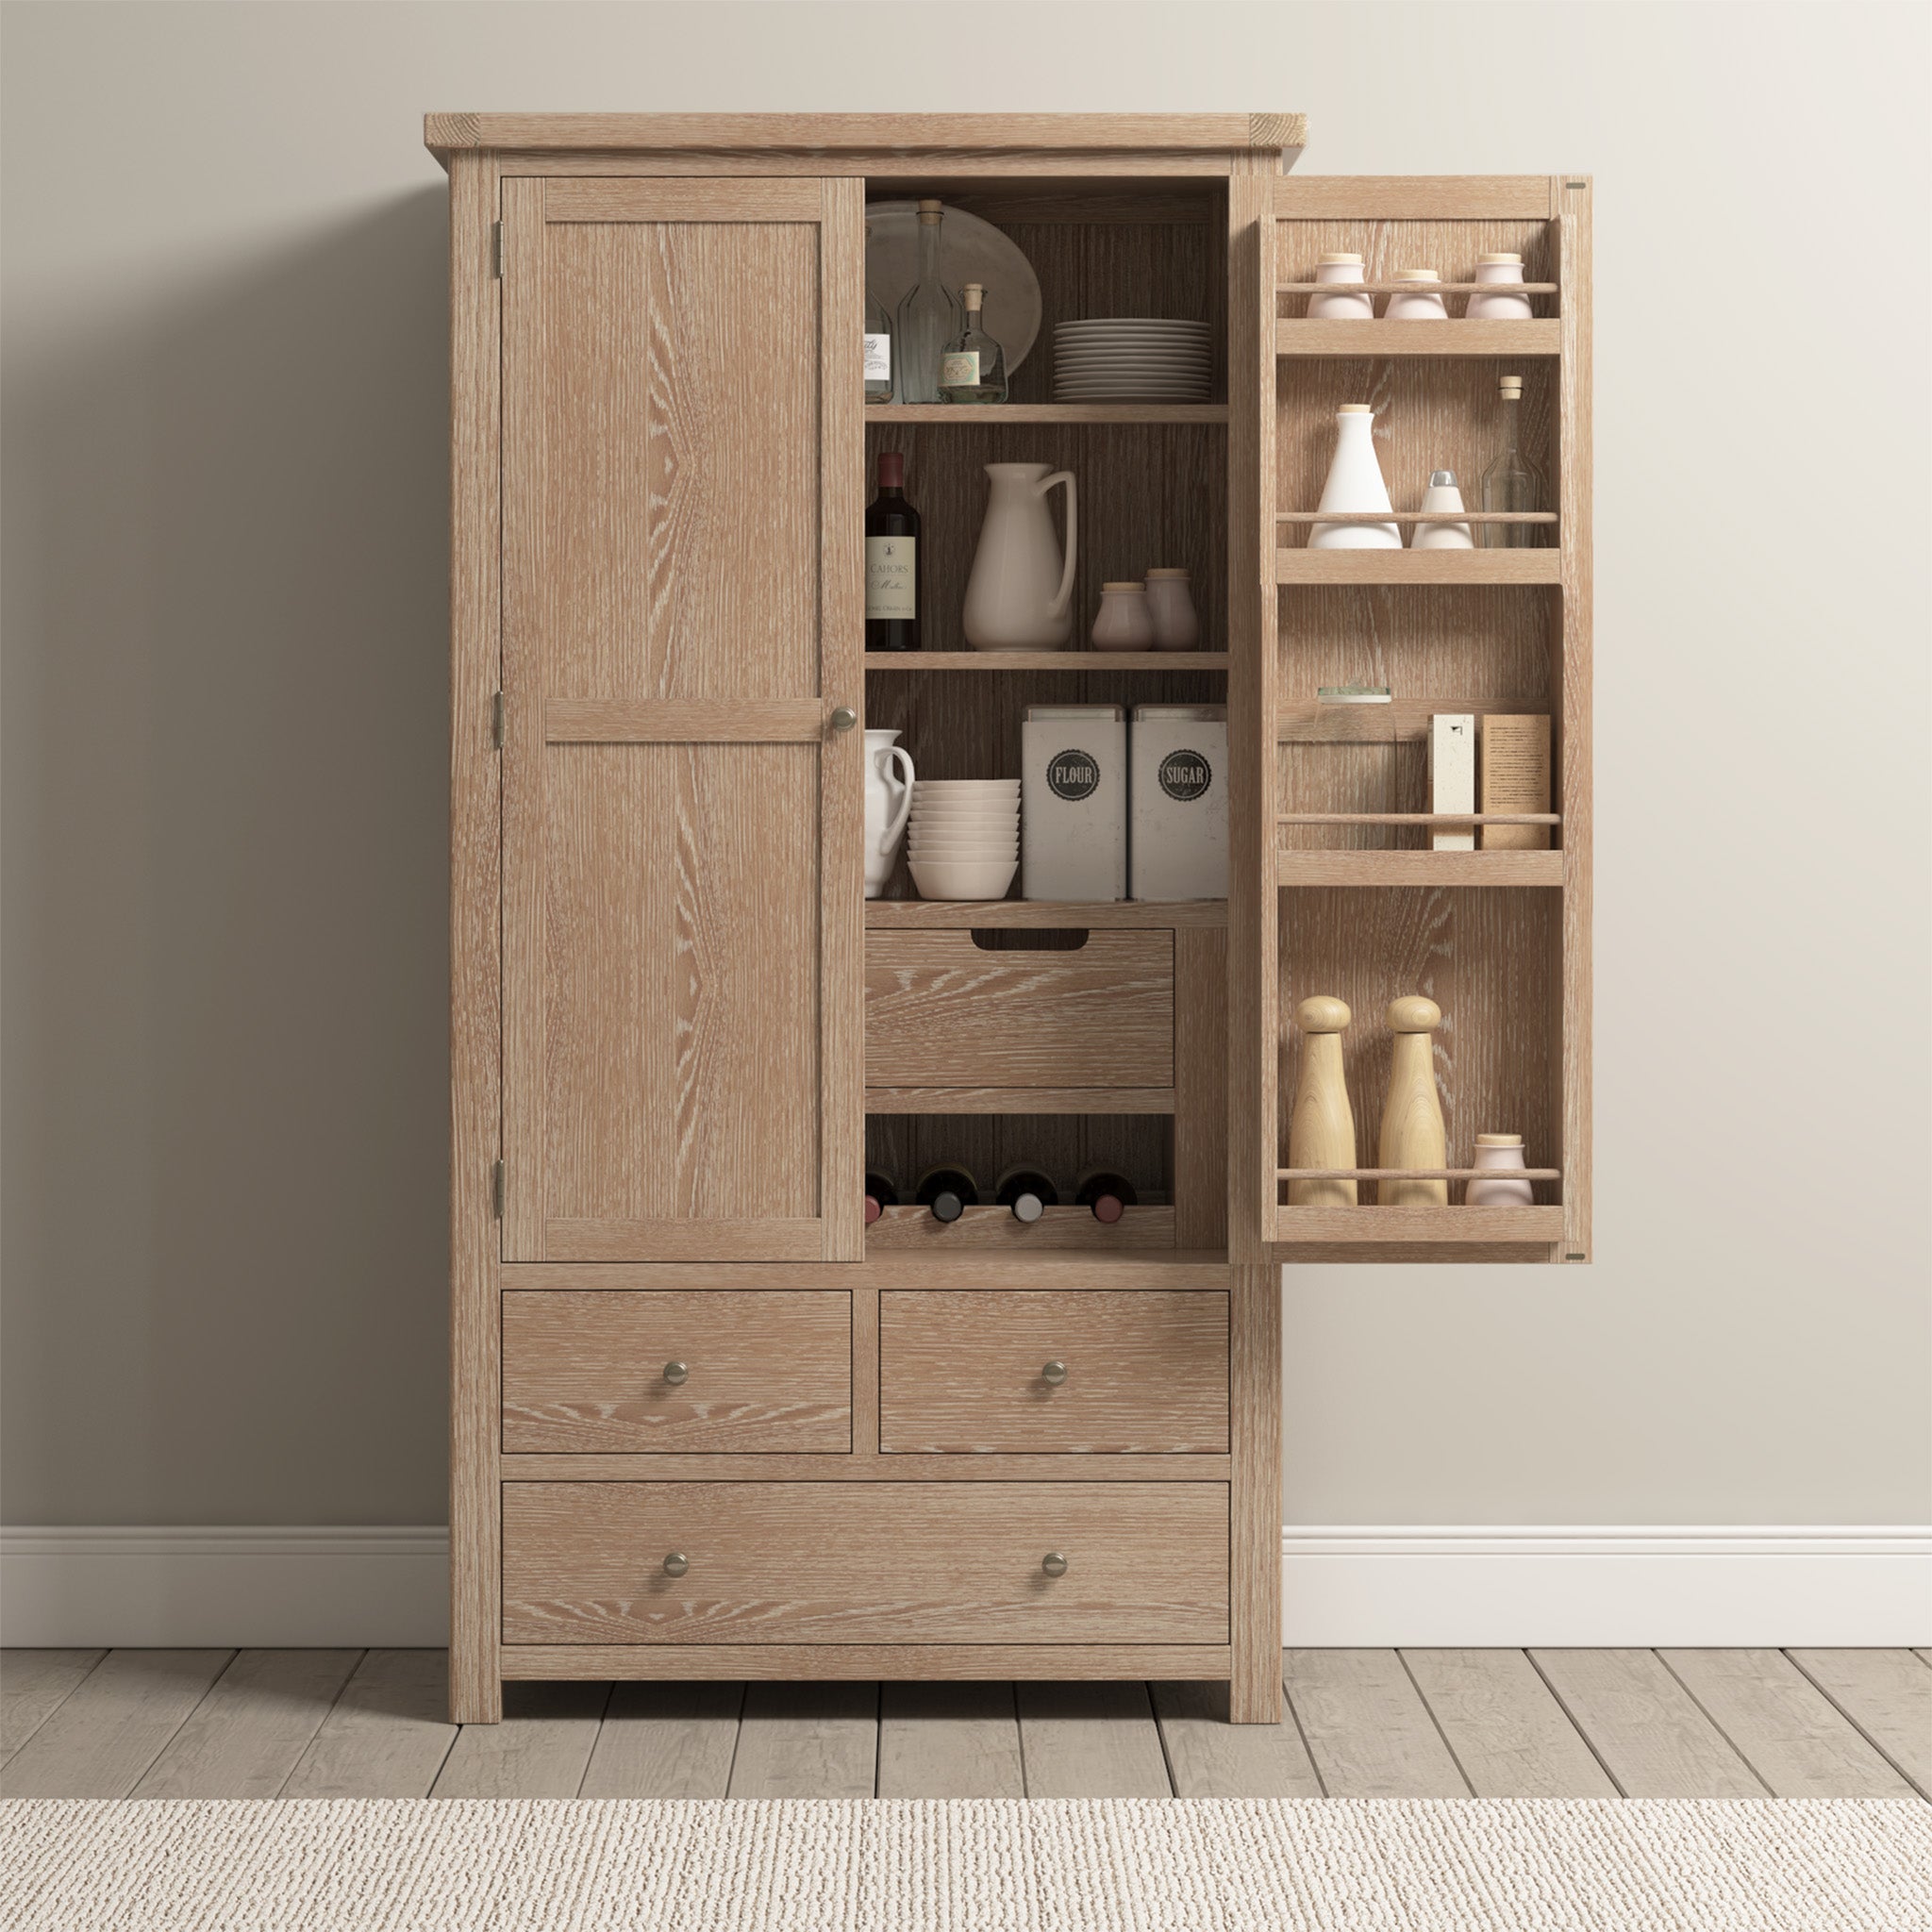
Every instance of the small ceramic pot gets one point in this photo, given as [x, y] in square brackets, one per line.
[1171, 603]
[1498, 268]
[1424, 304]
[1503, 1152]
[1443, 493]
[1124, 622]
[1341, 268]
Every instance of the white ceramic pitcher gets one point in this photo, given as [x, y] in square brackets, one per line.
[1020, 596]
[888, 799]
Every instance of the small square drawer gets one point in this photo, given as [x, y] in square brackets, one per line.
[720, 1371]
[1139, 1371]
[941, 1011]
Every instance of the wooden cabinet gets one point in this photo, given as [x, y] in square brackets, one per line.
[679, 1034]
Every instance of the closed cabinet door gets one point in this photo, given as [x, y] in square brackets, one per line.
[682, 939]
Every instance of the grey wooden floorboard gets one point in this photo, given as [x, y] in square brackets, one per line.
[1783, 1726]
[539, 1750]
[808, 1741]
[1210, 1757]
[1645, 1727]
[952, 1741]
[1091, 1740]
[387, 1736]
[33, 1685]
[113, 1725]
[250, 1731]
[1508, 1734]
[1887, 1695]
[666, 1740]
[1368, 1730]
[1925, 1656]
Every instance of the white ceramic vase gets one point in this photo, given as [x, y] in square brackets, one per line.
[1354, 483]
[1443, 493]
[888, 799]
[1504, 1153]
[1498, 268]
[1020, 596]
[1341, 267]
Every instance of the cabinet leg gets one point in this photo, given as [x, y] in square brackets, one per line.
[1255, 1498]
[474, 1701]
[1255, 1695]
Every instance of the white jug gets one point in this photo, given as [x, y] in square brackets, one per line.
[1354, 483]
[888, 799]
[1020, 596]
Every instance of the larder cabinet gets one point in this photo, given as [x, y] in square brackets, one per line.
[707, 1420]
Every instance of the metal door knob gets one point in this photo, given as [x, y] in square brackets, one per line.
[676, 1372]
[1054, 1373]
[1054, 1563]
[845, 718]
[676, 1563]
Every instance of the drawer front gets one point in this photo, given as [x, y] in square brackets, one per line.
[763, 1372]
[940, 1013]
[865, 1562]
[1146, 1371]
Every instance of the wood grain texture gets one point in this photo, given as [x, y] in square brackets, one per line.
[808, 1741]
[1368, 1730]
[859, 1467]
[845, 1662]
[1887, 1695]
[539, 1750]
[856, 1563]
[1298, 336]
[1256, 1494]
[1297, 868]
[1419, 566]
[763, 1372]
[1783, 1726]
[386, 1737]
[1065, 1230]
[1019, 1100]
[1061, 1272]
[1200, 1096]
[1510, 1737]
[1645, 1727]
[665, 1741]
[1210, 1757]
[643, 199]
[1023, 913]
[949, 1740]
[1145, 1373]
[33, 1685]
[683, 721]
[1474, 1225]
[1091, 1740]
[1461, 199]
[941, 1011]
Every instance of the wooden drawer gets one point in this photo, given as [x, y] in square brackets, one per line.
[765, 1372]
[1146, 1371]
[940, 1012]
[864, 1562]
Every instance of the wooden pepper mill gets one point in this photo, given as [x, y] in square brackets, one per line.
[1321, 1130]
[1412, 1130]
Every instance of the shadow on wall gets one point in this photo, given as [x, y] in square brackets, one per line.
[225, 754]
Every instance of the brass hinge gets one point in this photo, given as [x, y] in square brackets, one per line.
[496, 251]
[496, 1191]
[496, 719]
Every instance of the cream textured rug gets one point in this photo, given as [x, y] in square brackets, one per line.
[966, 1865]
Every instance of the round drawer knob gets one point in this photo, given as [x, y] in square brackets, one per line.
[675, 1372]
[1054, 1373]
[845, 718]
[676, 1563]
[1054, 1563]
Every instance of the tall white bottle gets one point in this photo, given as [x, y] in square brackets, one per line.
[1354, 483]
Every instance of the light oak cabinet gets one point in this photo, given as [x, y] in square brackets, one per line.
[705, 1422]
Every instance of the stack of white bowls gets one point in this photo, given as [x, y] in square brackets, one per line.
[964, 837]
[1132, 358]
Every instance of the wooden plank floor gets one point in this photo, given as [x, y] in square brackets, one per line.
[1383, 1724]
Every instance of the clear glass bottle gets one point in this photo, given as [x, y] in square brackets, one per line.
[974, 368]
[928, 317]
[878, 346]
[1510, 483]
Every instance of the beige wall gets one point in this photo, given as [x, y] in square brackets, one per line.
[223, 818]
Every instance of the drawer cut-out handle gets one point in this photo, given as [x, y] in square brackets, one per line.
[1054, 1563]
[1029, 939]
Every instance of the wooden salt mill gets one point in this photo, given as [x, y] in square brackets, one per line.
[1412, 1130]
[1321, 1130]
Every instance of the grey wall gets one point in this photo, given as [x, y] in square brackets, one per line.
[223, 754]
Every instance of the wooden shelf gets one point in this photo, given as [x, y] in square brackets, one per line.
[969, 414]
[1325, 336]
[1415, 516]
[1418, 818]
[1059, 914]
[1103, 1100]
[1418, 566]
[1418, 288]
[1355, 868]
[1046, 661]
[1418, 1173]
[1061, 1230]
[1334, 1225]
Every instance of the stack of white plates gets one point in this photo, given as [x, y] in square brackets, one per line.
[1132, 358]
[964, 840]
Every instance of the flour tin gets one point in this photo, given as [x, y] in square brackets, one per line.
[1074, 802]
[1177, 785]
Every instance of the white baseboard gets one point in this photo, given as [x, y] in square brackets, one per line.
[1348, 1587]
[1719, 1587]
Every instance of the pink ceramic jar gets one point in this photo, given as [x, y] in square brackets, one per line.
[1504, 1153]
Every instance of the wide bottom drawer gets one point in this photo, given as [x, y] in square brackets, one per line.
[863, 1562]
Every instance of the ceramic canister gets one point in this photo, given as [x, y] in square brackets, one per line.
[1171, 603]
[1124, 622]
[1502, 1151]
[1498, 268]
[1074, 802]
[1178, 802]
[1423, 303]
[1341, 268]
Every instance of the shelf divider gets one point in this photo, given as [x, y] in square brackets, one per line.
[1046, 661]
[1325, 336]
[1059, 915]
[964, 415]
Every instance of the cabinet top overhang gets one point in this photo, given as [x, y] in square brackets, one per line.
[871, 134]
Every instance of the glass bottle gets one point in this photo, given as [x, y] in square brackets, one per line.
[1509, 484]
[928, 317]
[974, 368]
[878, 346]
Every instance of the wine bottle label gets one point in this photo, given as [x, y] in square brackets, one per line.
[960, 370]
[890, 579]
[878, 359]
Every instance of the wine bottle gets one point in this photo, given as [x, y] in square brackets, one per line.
[880, 1193]
[948, 1192]
[974, 367]
[878, 346]
[1109, 1194]
[928, 317]
[891, 562]
[1027, 1191]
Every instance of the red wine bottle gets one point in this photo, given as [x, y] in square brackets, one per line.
[948, 1192]
[893, 585]
[880, 1193]
[1027, 1192]
[1108, 1195]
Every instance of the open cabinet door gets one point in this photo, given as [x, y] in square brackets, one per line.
[682, 942]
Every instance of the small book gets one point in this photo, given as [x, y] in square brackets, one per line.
[1352, 694]
[1451, 777]
[1516, 778]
